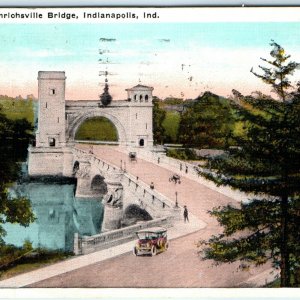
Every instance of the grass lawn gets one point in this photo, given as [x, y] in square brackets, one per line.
[97, 129]
[18, 109]
[171, 124]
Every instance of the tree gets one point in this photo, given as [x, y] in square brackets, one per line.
[266, 164]
[158, 118]
[207, 122]
[277, 75]
[13, 210]
[105, 97]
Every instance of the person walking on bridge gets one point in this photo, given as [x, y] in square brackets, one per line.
[185, 214]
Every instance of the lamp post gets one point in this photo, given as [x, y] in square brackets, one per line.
[176, 202]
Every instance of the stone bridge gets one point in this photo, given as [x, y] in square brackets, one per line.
[120, 190]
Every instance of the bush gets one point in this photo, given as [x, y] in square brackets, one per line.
[183, 154]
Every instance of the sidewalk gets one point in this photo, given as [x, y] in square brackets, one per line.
[179, 229]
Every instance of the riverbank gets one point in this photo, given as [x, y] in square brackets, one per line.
[30, 261]
[35, 278]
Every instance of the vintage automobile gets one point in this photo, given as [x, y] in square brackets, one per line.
[132, 156]
[175, 178]
[151, 241]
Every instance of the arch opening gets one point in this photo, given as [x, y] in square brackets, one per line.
[98, 185]
[134, 213]
[75, 167]
[97, 129]
[141, 142]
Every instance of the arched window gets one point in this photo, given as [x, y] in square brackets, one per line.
[146, 98]
[134, 97]
[142, 143]
[51, 142]
[141, 98]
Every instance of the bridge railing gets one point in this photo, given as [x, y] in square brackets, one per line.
[190, 170]
[144, 191]
[150, 198]
[89, 244]
[92, 158]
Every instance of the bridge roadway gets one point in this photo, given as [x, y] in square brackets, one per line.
[180, 266]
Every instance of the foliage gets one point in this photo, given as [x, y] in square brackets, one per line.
[171, 125]
[173, 101]
[277, 75]
[15, 260]
[97, 129]
[267, 164]
[17, 109]
[183, 154]
[14, 135]
[159, 115]
[207, 123]
[105, 97]
[10, 254]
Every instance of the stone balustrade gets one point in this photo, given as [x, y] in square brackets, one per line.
[89, 244]
[150, 197]
[135, 191]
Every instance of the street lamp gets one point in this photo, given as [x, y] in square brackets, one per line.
[176, 202]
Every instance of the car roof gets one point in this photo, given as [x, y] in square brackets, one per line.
[153, 229]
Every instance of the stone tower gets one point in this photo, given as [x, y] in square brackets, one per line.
[51, 118]
[51, 156]
[140, 99]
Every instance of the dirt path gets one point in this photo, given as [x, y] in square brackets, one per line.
[181, 265]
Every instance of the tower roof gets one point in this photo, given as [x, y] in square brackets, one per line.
[140, 87]
[51, 75]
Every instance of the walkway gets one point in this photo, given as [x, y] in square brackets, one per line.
[180, 266]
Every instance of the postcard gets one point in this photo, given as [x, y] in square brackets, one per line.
[150, 148]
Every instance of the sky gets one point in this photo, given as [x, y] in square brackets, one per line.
[177, 59]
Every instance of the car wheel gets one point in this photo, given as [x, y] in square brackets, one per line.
[135, 251]
[153, 251]
[166, 246]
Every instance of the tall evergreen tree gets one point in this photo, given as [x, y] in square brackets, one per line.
[266, 164]
[278, 71]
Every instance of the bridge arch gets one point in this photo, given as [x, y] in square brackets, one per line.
[134, 211]
[85, 115]
[76, 166]
[98, 184]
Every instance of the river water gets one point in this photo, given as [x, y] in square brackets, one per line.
[59, 214]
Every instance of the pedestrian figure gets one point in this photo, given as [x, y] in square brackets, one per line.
[158, 160]
[186, 169]
[185, 214]
[152, 186]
